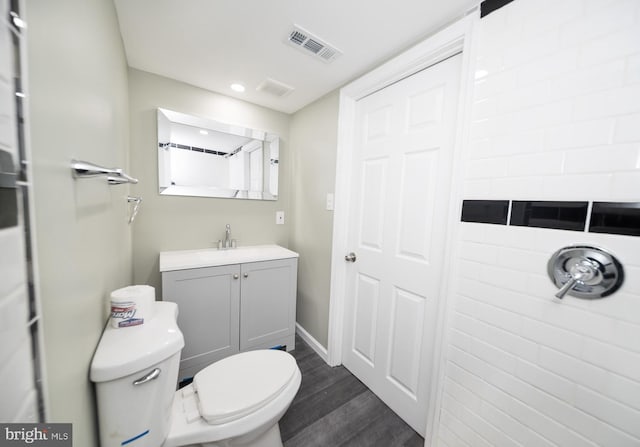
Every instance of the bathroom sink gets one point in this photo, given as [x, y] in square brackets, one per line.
[212, 257]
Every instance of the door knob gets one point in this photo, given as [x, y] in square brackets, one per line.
[351, 257]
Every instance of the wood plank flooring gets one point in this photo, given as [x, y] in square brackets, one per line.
[334, 409]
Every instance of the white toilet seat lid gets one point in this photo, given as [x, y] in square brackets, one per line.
[238, 385]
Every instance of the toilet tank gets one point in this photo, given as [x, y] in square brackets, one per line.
[135, 371]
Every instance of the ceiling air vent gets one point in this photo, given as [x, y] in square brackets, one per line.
[304, 40]
[275, 88]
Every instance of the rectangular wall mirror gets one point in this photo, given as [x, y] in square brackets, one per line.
[205, 158]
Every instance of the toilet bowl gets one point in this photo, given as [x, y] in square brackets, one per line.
[236, 401]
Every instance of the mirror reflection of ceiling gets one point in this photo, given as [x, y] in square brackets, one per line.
[206, 138]
[214, 43]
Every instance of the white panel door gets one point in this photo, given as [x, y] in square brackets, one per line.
[401, 189]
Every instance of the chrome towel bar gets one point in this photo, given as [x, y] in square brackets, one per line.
[115, 176]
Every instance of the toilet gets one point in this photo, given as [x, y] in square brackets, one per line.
[236, 401]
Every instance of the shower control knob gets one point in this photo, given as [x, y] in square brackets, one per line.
[585, 272]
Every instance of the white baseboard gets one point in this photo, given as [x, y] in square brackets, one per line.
[313, 343]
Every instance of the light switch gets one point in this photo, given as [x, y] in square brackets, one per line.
[280, 217]
[329, 201]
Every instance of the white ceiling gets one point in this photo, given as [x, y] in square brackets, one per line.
[213, 43]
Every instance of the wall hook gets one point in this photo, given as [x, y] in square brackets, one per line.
[137, 201]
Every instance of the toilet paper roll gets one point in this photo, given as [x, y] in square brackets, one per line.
[132, 305]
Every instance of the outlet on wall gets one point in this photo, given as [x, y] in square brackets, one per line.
[280, 217]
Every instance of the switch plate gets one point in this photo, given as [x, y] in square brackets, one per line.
[329, 201]
[280, 217]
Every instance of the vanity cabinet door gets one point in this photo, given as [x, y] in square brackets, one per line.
[268, 304]
[208, 313]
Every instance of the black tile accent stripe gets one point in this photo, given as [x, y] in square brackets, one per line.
[197, 149]
[485, 211]
[488, 6]
[606, 217]
[615, 218]
[543, 214]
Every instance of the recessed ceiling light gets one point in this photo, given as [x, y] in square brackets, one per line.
[236, 87]
[204, 132]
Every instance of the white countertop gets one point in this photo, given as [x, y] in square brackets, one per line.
[212, 257]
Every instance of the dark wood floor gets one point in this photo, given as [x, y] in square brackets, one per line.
[334, 409]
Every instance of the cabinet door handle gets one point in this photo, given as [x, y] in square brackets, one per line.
[246, 275]
[235, 276]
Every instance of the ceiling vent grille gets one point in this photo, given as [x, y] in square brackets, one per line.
[275, 88]
[304, 40]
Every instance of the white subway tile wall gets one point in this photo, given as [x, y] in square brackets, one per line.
[556, 117]
[17, 394]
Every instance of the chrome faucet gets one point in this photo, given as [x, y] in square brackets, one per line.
[227, 236]
[227, 242]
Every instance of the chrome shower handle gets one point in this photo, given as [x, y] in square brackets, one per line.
[582, 271]
[565, 289]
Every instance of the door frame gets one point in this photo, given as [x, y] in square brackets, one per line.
[454, 39]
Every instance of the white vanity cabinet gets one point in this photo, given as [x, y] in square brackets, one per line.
[268, 304]
[231, 300]
[208, 301]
